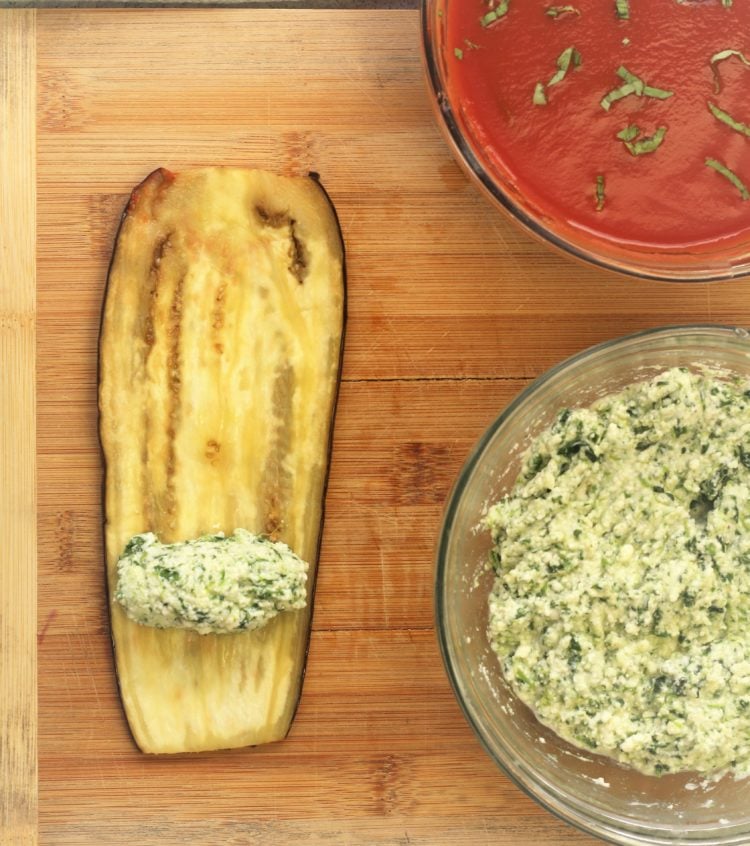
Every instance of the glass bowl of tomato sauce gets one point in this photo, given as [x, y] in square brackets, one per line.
[594, 792]
[616, 131]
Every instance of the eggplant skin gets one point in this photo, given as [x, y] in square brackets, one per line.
[219, 363]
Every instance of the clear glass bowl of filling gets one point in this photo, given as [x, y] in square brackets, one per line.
[595, 133]
[593, 792]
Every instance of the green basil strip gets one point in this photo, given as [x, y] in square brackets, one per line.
[559, 11]
[599, 192]
[726, 54]
[569, 56]
[500, 11]
[647, 145]
[658, 93]
[727, 4]
[458, 53]
[539, 98]
[618, 94]
[629, 133]
[625, 74]
[721, 115]
[633, 85]
[622, 7]
[731, 176]
[640, 146]
[720, 57]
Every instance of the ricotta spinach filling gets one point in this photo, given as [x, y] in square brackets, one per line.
[212, 584]
[620, 610]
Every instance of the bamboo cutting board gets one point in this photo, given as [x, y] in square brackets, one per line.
[451, 312]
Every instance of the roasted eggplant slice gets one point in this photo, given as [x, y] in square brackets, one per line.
[219, 364]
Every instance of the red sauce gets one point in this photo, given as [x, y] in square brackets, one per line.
[553, 153]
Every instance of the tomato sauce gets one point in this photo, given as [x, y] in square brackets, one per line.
[554, 153]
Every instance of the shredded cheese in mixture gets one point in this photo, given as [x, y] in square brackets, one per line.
[620, 610]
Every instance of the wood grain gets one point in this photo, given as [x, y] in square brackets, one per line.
[18, 711]
[451, 312]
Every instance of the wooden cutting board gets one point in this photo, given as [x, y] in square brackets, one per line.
[451, 312]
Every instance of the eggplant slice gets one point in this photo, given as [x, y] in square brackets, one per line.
[219, 365]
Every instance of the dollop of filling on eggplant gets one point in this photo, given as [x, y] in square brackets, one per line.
[213, 584]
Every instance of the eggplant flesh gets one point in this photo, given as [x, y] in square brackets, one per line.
[219, 365]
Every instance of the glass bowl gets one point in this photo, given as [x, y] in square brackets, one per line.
[719, 260]
[592, 792]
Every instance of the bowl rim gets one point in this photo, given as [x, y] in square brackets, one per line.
[465, 155]
[634, 833]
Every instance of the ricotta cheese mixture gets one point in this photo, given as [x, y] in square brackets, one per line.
[620, 610]
[212, 584]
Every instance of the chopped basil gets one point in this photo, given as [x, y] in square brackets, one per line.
[599, 192]
[622, 7]
[618, 93]
[561, 11]
[629, 133]
[720, 57]
[639, 146]
[721, 115]
[458, 52]
[730, 175]
[569, 56]
[632, 84]
[647, 145]
[625, 74]
[496, 13]
[135, 544]
[578, 446]
[658, 93]
[726, 54]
